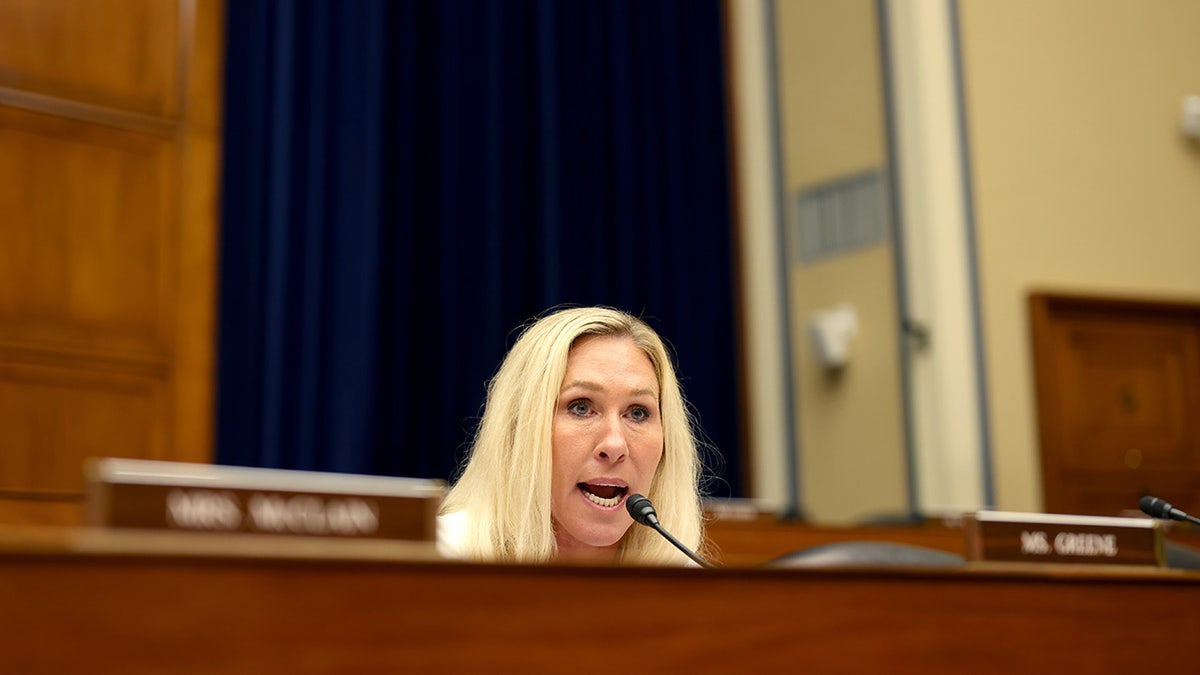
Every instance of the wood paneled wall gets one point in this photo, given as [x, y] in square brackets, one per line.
[109, 154]
[1118, 401]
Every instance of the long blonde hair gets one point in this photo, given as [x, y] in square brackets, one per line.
[505, 487]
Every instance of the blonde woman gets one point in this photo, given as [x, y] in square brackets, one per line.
[584, 411]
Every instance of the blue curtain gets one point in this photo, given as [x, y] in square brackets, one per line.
[406, 182]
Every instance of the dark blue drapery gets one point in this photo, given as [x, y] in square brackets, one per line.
[407, 182]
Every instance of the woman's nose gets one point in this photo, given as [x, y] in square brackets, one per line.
[613, 446]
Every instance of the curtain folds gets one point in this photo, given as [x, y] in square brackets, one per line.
[407, 182]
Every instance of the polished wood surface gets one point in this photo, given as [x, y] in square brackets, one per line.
[73, 605]
[750, 539]
[111, 53]
[109, 150]
[759, 538]
[1118, 400]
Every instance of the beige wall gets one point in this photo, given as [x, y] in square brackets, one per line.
[830, 92]
[851, 443]
[1082, 178]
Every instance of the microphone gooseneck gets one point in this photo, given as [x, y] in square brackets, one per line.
[1157, 508]
[642, 511]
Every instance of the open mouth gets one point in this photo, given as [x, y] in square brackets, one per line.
[603, 495]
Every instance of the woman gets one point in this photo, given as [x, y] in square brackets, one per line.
[584, 411]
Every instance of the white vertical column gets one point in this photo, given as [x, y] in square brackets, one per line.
[949, 450]
[755, 149]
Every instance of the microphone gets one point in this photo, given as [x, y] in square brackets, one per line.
[1153, 506]
[642, 511]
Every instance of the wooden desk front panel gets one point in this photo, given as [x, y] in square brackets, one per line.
[128, 615]
[753, 542]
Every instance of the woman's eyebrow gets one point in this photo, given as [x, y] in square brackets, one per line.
[582, 384]
[595, 386]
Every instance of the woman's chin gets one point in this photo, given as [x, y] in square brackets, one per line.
[582, 538]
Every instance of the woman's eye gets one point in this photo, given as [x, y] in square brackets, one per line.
[640, 414]
[579, 407]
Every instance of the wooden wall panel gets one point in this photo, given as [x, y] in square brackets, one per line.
[118, 54]
[1132, 393]
[61, 416]
[109, 154]
[83, 266]
[1118, 401]
[195, 293]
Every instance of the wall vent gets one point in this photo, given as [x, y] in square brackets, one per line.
[840, 216]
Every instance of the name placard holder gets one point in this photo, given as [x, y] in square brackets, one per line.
[183, 497]
[1008, 536]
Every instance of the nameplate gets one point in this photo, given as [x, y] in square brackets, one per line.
[183, 497]
[1006, 536]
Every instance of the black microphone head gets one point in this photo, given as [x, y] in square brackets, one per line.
[641, 510]
[1153, 506]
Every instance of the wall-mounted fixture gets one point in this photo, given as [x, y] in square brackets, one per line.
[1191, 116]
[832, 331]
